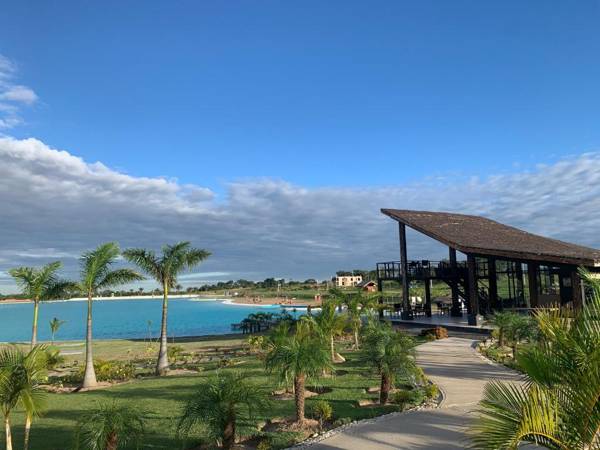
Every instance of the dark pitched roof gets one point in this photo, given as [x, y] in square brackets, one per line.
[478, 235]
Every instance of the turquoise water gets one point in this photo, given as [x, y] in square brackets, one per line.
[124, 318]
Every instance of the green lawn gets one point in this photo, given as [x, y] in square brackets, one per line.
[162, 399]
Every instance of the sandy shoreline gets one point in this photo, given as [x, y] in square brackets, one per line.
[16, 301]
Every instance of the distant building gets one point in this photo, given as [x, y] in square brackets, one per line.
[347, 281]
[368, 286]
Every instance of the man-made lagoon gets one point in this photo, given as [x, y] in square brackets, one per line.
[124, 318]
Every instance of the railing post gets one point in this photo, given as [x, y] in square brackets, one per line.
[456, 310]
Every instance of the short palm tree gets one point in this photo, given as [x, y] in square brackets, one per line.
[502, 320]
[165, 269]
[558, 405]
[218, 403]
[97, 274]
[39, 285]
[110, 426]
[390, 353]
[330, 324]
[55, 325]
[21, 375]
[298, 356]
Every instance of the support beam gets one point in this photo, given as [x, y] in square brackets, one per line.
[520, 285]
[578, 292]
[493, 284]
[406, 309]
[428, 298]
[456, 310]
[380, 300]
[472, 289]
[533, 269]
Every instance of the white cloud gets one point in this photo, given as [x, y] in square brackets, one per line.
[56, 205]
[13, 96]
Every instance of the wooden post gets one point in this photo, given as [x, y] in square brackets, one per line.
[380, 301]
[578, 292]
[493, 283]
[520, 288]
[406, 310]
[456, 310]
[428, 297]
[472, 287]
[532, 281]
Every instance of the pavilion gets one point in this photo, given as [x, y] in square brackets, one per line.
[505, 268]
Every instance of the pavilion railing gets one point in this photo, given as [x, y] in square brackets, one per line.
[419, 269]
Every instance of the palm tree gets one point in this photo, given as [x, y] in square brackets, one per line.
[502, 320]
[110, 426]
[165, 269]
[390, 352]
[298, 356]
[218, 403]
[21, 375]
[55, 324]
[330, 324]
[96, 274]
[558, 405]
[39, 285]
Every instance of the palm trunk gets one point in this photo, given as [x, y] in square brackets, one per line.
[8, 434]
[356, 338]
[299, 397]
[112, 442]
[27, 430]
[384, 391]
[500, 337]
[332, 348]
[162, 365]
[229, 433]
[36, 305]
[89, 377]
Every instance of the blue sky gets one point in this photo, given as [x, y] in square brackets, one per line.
[316, 93]
[283, 110]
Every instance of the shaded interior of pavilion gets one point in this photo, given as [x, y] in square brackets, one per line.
[490, 267]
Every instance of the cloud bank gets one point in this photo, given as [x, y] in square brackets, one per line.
[56, 205]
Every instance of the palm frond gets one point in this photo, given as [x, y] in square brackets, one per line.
[146, 260]
[118, 277]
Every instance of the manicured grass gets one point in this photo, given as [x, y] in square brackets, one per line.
[162, 400]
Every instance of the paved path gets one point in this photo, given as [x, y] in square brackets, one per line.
[461, 373]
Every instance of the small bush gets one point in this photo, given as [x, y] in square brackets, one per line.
[173, 352]
[437, 333]
[342, 421]
[431, 391]
[321, 411]
[265, 444]
[53, 357]
[113, 370]
[401, 397]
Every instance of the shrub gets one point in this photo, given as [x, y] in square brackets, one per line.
[53, 357]
[401, 397]
[321, 411]
[342, 421]
[264, 444]
[431, 391]
[106, 370]
[173, 352]
[437, 333]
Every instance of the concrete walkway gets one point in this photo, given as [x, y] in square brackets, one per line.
[461, 374]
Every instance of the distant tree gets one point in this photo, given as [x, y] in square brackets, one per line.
[165, 269]
[329, 324]
[39, 285]
[96, 274]
[55, 325]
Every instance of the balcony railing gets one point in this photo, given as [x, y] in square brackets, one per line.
[419, 270]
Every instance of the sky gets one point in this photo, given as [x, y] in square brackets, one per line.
[271, 133]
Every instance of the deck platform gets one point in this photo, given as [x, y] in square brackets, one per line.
[451, 323]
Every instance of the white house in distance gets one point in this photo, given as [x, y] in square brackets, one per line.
[348, 281]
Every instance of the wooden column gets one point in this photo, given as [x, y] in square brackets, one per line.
[380, 301]
[456, 310]
[406, 310]
[493, 283]
[578, 291]
[519, 276]
[472, 288]
[532, 280]
[428, 298]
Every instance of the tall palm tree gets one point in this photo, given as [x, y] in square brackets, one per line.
[298, 356]
[165, 269]
[39, 285]
[558, 405]
[391, 353]
[218, 403]
[110, 426]
[330, 324]
[21, 375]
[96, 274]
